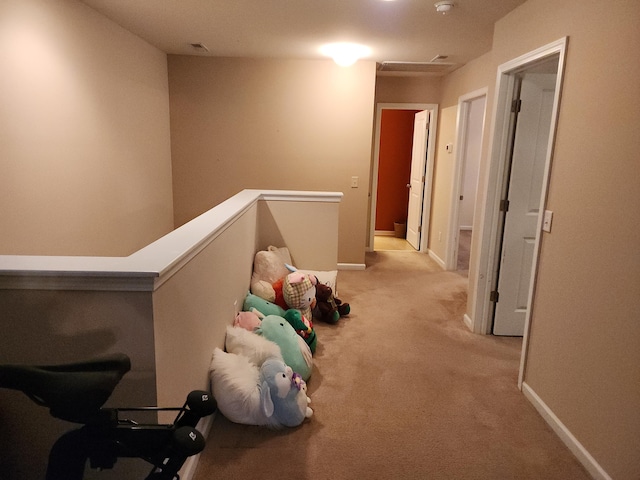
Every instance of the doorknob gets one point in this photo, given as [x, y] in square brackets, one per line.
[408, 185]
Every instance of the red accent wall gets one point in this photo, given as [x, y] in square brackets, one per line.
[394, 167]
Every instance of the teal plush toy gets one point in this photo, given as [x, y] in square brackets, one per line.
[263, 306]
[295, 352]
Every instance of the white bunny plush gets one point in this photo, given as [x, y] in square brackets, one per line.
[271, 394]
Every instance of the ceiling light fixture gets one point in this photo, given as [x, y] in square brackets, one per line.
[443, 7]
[345, 54]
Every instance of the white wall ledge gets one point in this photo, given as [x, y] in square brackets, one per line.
[149, 267]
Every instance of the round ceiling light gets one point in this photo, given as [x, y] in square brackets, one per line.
[345, 54]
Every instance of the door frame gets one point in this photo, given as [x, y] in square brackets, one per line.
[484, 273]
[431, 141]
[462, 120]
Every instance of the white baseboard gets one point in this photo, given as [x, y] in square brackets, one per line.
[188, 470]
[468, 322]
[435, 257]
[385, 233]
[352, 266]
[581, 453]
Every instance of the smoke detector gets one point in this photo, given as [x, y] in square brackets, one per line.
[443, 7]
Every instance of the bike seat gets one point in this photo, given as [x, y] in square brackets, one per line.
[75, 391]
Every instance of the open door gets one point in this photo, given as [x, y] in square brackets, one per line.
[533, 108]
[416, 183]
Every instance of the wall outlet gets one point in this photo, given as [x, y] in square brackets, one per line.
[449, 147]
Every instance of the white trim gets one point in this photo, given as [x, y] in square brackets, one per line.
[352, 266]
[149, 267]
[436, 258]
[468, 322]
[188, 470]
[426, 205]
[451, 252]
[560, 429]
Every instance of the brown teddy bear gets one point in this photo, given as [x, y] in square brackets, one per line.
[328, 308]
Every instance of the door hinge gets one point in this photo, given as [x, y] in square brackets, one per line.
[427, 125]
[504, 205]
[419, 228]
[516, 106]
[493, 296]
[461, 197]
[424, 178]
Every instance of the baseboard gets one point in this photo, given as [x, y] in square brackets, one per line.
[188, 470]
[385, 233]
[352, 266]
[435, 257]
[468, 322]
[581, 453]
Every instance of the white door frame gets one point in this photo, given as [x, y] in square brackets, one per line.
[431, 139]
[464, 101]
[484, 273]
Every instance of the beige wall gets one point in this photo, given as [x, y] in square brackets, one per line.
[58, 326]
[84, 133]
[442, 181]
[418, 89]
[476, 74]
[584, 355]
[272, 124]
[583, 359]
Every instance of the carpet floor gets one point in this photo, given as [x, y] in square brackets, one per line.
[401, 389]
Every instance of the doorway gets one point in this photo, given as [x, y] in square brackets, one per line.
[496, 189]
[384, 237]
[469, 134]
[533, 104]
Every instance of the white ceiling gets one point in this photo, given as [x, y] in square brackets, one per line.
[400, 30]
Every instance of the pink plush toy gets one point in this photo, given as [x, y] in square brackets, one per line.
[247, 320]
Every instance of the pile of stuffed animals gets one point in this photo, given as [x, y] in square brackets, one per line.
[260, 378]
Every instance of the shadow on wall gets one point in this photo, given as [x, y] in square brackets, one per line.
[53, 331]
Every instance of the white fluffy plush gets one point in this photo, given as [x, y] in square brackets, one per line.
[251, 345]
[234, 380]
[271, 395]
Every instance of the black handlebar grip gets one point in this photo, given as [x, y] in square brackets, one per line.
[188, 441]
[201, 403]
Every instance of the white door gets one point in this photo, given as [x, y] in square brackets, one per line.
[531, 143]
[417, 179]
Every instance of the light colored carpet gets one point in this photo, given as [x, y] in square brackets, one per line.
[464, 249]
[390, 243]
[402, 390]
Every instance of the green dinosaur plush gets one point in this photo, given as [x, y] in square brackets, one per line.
[303, 327]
